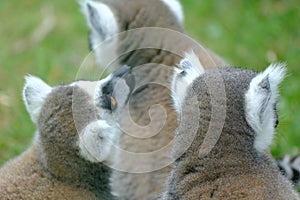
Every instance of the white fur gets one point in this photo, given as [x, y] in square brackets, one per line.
[193, 68]
[176, 8]
[96, 141]
[197, 68]
[177, 90]
[260, 105]
[101, 112]
[34, 94]
[100, 85]
[88, 86]
[104, 17]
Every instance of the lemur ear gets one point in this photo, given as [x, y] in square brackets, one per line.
[191, 68]
[260, 100]
[101, 21]
[34, 94]
[176, 8]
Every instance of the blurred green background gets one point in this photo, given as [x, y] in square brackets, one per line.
[49, 39]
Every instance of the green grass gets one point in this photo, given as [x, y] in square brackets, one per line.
[249, 34]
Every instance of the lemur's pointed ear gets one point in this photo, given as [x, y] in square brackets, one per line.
[34, 94]
[176, 8]
[101, 21]
[190, 69]
[260, 100]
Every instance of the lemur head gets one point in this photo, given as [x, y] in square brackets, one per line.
[106, 18]
[71, 136]
[112, 94]
[250, 98]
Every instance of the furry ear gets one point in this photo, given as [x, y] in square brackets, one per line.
[96, 141]
[191, 69]
[260, 100]
[34, 94]
[176, 8]
[101, 21]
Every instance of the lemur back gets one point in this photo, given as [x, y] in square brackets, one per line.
[235, 164]
[152, 53]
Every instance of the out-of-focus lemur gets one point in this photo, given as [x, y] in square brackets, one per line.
[117, 38]
[237, 165]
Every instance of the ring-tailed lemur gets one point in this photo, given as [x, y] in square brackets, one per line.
[108, 18]
[237, 165]
[73, 144]
[105, 19]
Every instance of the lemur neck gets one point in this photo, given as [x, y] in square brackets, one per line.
[141, 57]
[95, 178]
[229, 157]
[79, 173]
[161, 46]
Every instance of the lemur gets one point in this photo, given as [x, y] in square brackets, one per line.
[116, 28]
[73, 148]
[226, 159]
[107, 18]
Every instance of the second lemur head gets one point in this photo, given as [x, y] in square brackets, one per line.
[249, 100]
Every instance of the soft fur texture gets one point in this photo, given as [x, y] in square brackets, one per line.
[180, 89]
[260, 102]
[64, 159]
[234, 168]
[152, 85]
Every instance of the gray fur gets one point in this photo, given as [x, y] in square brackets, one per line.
[234, 168]
[152, 69]
[53, 167]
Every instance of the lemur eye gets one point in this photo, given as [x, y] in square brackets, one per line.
[112, 102]
[108, 102]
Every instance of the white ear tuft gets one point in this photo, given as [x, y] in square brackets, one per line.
[176, 8]
[260, 101]
[34, 94]
[191, 69]
[101, 21]
[192, 65]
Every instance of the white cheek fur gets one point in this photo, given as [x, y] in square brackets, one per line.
[96, 141]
